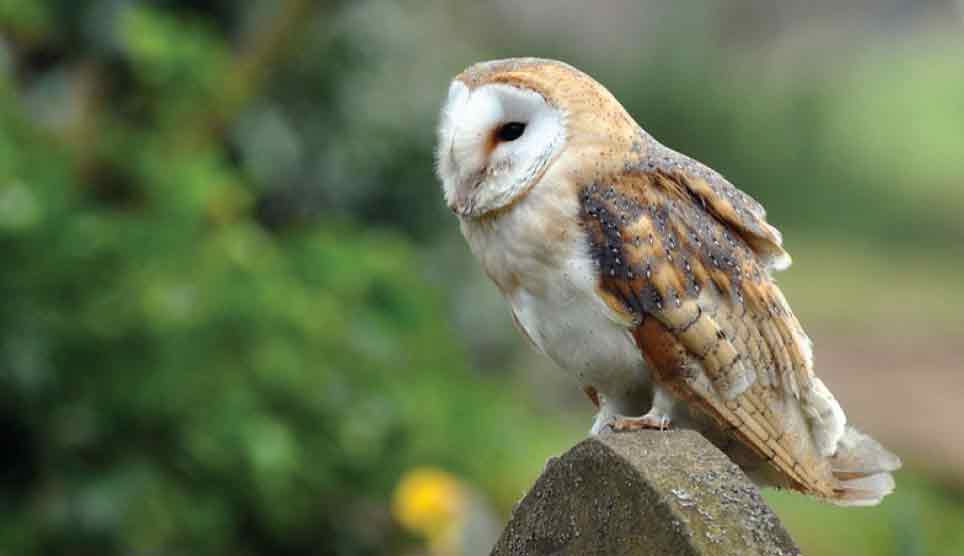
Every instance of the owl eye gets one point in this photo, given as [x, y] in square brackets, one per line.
[511, 131]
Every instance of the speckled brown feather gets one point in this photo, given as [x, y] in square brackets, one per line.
[687, 261]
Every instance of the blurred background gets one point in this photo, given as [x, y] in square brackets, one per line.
[236, 318]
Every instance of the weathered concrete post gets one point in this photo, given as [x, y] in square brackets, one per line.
[645, 493]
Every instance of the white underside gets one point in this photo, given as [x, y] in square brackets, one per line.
[575, 332]
[555, 300]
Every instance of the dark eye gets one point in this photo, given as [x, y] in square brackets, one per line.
[511, 131]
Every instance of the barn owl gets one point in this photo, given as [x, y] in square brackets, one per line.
[644, 274]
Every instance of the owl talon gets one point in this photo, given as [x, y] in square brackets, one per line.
[644, 422]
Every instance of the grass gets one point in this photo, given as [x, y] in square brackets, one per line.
[922, 518]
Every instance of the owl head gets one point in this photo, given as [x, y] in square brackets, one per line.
[506, 123]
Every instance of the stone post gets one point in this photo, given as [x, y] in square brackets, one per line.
[644, 493]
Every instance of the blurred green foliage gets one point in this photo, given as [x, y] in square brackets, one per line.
[226, 317]
[177, 377]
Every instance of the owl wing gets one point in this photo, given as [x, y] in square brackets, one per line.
[687, 262]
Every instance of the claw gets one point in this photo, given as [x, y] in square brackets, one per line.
[643, 422]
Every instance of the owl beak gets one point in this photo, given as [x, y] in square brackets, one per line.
[463, 202]
[455, 205]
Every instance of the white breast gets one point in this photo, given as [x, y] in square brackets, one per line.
[538, 256]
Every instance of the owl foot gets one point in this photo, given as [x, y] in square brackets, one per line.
[652, 421]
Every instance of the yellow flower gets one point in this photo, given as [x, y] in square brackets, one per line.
[429, 501]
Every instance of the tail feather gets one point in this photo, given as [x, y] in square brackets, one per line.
[863, 470]
[865, 491]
